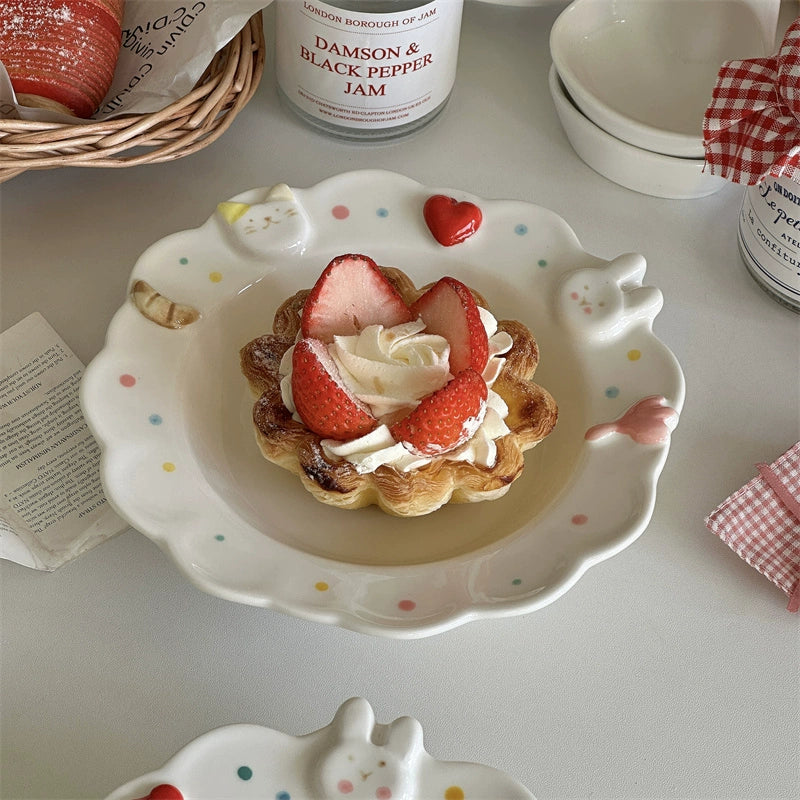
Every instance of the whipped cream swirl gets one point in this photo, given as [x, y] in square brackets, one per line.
[391, 370]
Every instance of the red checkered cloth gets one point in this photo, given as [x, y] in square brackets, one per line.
[761, 523]
[751, 128]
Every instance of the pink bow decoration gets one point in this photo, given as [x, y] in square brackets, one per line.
[761, 523]
[751, 128]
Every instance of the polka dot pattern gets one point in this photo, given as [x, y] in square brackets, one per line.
[586, 296]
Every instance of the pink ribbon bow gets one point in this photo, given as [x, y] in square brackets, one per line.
[751, 128]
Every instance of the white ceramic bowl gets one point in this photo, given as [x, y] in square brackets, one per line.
[173, 413]
[353, 757]
[644, 70]
[641, 170]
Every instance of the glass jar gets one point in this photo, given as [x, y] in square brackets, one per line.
[769, 238]
[367, 69]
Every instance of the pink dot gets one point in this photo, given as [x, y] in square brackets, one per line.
[383, 793]
[406, 605]
[587, 310]
[345, 787]
[127, 380]
[340, 212]
[574, 295]
[580, 519]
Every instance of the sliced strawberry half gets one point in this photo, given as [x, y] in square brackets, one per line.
[322, 400]
[445, 419]
[449, 309]
[350, 294]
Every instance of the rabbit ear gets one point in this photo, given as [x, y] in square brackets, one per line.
[405, 738]
[355, 719]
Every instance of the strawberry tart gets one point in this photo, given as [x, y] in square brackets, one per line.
[375, 392]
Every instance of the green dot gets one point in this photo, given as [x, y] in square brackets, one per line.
[516, 582]
[245, 773]
[219, 537]
[542, 262]
[184, 260]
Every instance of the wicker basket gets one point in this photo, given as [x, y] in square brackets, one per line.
[182, 128]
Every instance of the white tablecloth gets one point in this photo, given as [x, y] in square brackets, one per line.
[669, 671]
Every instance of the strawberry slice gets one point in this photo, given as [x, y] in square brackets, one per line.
[445, 419]
[350, 294]
[449, 309]
[322, 400]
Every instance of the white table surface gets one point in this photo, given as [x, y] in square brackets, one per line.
[669, 671]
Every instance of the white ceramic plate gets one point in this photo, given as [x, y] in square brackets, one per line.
[629, 166]
[172, 414]
[353, 757]
[643, 70]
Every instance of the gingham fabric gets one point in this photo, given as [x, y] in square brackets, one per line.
[761, 523]
[751, 128]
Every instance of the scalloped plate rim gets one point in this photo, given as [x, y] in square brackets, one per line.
[346, 617]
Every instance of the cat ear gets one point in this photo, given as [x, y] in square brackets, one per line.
[355, 719]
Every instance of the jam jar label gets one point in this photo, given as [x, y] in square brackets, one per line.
[769, 237]
[360, 70]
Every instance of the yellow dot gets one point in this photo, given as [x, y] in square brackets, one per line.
[454, 793]
[168, 466]
[634, 355]
[321, 586]
[215, 277]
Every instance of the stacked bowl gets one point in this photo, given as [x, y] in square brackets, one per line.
[631, 80]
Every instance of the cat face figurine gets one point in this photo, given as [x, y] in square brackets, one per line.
[276, 222]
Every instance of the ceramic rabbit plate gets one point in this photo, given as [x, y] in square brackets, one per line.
[353, 758]
[173, 414]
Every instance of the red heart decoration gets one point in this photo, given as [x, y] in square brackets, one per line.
[449, 220]
[164, 791]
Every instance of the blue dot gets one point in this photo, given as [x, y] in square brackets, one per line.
[542, 262]
[155, 419]
[245, 773]
[219, 537]
[521, 229]
[283, 796]
[382, 212]
[612, 392]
